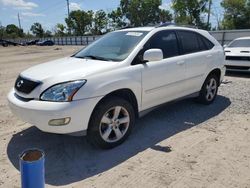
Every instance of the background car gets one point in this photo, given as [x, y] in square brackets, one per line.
[46, 43]
[6, 43]
[238, 54]
[32, 42]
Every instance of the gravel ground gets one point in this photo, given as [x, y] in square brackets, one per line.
[182, 144]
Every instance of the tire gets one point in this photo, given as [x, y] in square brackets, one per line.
[111, 123]
[209, 90]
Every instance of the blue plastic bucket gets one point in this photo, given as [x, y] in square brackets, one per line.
[32, 168]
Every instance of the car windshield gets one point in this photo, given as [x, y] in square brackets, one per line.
[114, 46]
[240, 43]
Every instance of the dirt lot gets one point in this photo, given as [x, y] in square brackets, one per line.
[179, 145]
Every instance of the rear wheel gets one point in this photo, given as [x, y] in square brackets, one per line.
[111, 123]
[209, 90]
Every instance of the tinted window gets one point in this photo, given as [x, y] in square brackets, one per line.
[202, 44]
[189, 41]
[240, 43]
[208, 43]
[166, 41]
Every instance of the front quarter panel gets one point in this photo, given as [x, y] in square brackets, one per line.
[101, 84]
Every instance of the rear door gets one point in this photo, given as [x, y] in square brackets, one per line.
[197, 55]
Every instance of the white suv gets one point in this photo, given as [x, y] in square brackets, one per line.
[102, 89]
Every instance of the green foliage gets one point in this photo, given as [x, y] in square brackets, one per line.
[12, 31]
[60, 30]
[37, 30]
[48, 34]
[143, 12]
[136, 13]
[237, 14]
[116, 19]
[190, 12]
[165, 16]
[100, 22]
[79, 21]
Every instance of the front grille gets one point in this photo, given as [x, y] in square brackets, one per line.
[24, 85]
[238, 58]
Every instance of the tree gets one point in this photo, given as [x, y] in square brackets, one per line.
[237, 14]
[2, 31]
[79, 21]
[13, 31]
[60, 30]
[37, 30]
[142, 12]
[99, 22]
[48, 34]
[190, 12]
[165, 16]
[116, 19]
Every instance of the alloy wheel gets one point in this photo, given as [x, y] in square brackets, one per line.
[211, 89]
[114, 124]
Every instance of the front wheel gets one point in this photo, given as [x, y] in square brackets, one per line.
[209, 90]
[111, 123]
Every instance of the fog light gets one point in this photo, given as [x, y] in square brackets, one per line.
[59, 122]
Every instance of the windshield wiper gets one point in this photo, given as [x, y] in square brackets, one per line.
[94, 57]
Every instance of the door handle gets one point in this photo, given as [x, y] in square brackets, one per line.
[180, 63]
[208, 56]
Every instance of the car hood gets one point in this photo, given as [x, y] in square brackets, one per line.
[237, 51]
[66, 69]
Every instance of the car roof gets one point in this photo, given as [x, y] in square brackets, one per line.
[243, 38]
[172, 26]
[169, 27]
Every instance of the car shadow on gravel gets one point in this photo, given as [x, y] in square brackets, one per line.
[72, 159]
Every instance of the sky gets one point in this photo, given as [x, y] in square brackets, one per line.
[51, 12]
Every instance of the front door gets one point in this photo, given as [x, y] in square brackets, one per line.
[163, 80]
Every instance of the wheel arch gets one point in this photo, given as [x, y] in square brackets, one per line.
[126, 94]
[216, 72]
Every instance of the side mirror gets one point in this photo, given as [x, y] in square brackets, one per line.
[153, 55]
[224, 46]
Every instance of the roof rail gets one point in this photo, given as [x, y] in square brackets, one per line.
[126, 27]
[166, 24]
[177, 25]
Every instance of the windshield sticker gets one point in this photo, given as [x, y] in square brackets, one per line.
[135, 34]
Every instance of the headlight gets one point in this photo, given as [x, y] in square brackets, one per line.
[63, 92]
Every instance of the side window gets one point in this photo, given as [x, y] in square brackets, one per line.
[203, 46]
[208, 43]
[166, 41]
[189, 41]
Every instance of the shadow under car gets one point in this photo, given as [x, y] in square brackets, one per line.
[72, 159]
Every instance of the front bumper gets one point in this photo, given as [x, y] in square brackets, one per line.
[39, 113]
[237, 63]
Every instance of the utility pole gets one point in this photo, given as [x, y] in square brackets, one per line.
[209, 13]
[19, 22]
[68, 15]
[1, 34]
[68, 7]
